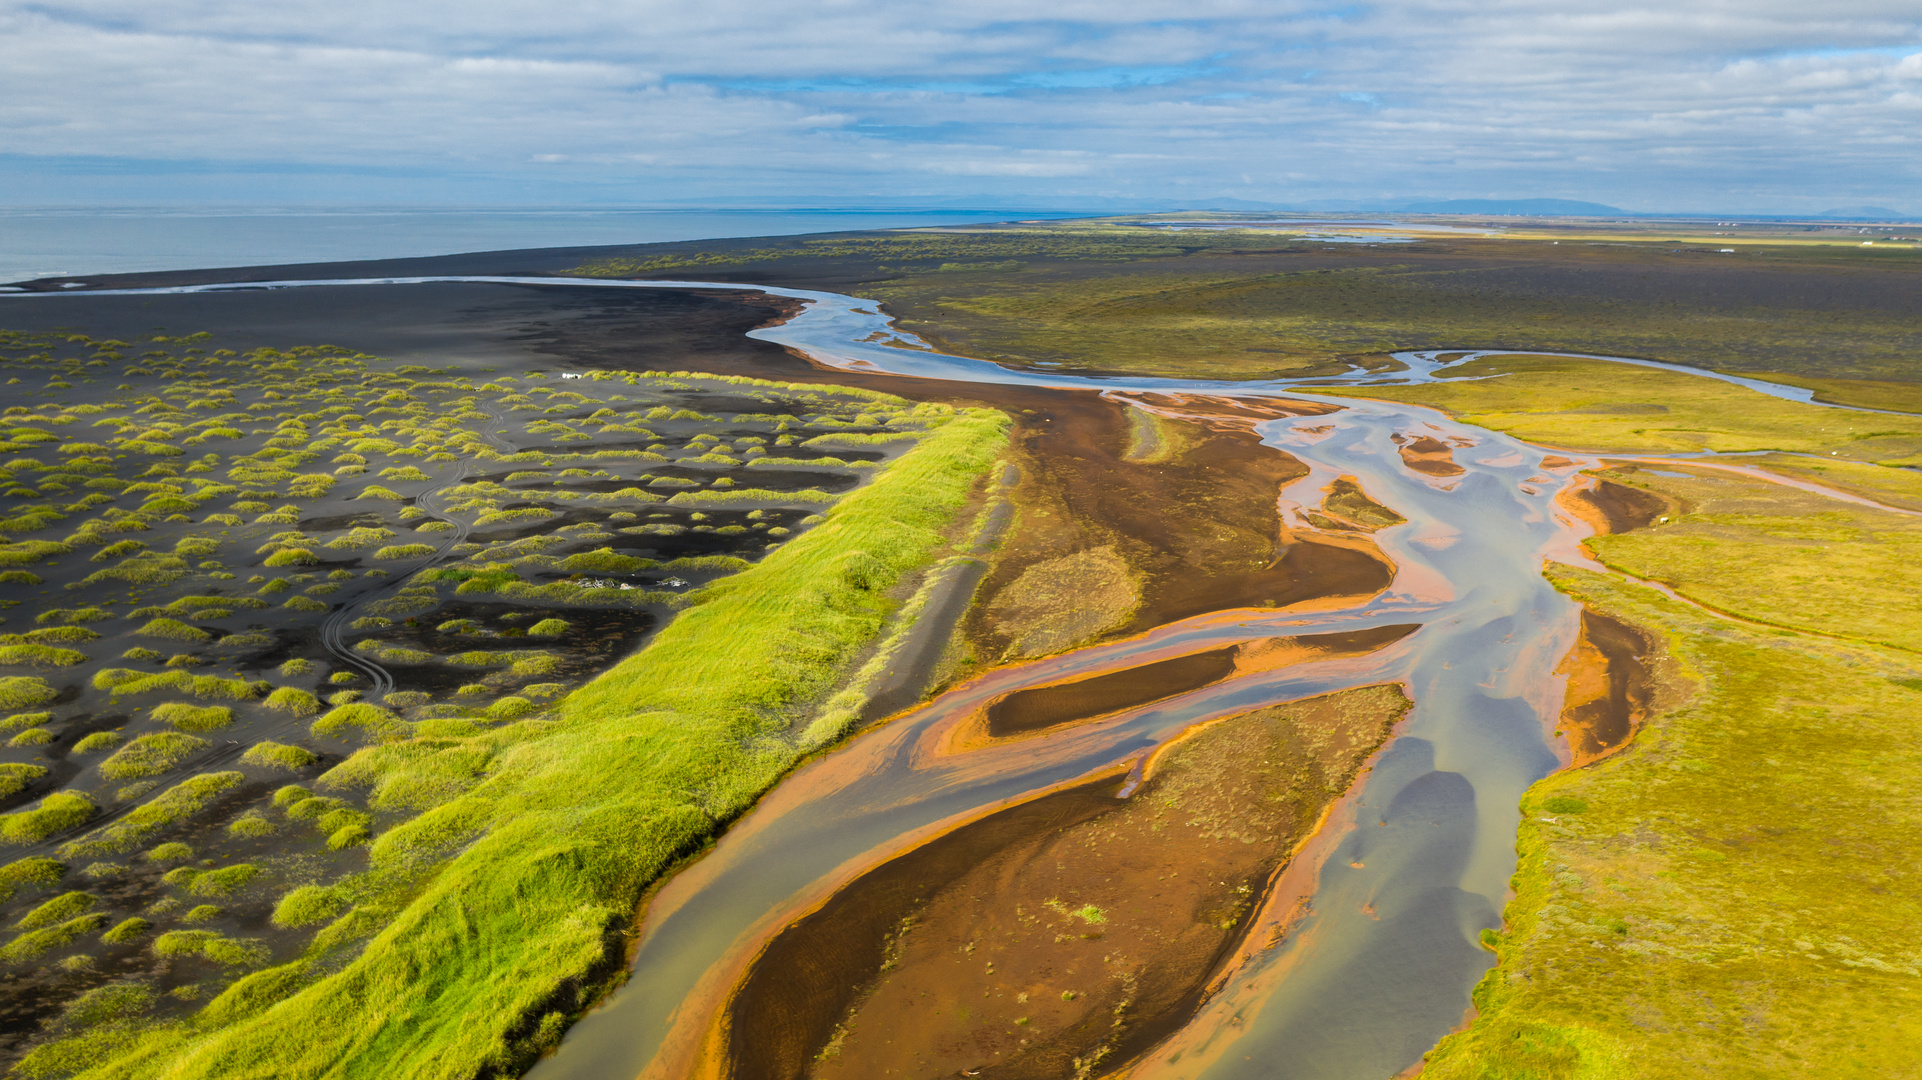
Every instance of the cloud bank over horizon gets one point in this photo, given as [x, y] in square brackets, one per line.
[1759, 106]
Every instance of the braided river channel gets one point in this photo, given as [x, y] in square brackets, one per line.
[1381, 910]
[1363, 949]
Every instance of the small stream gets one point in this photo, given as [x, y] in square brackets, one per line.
[1379, 962]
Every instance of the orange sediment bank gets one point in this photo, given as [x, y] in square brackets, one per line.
[1064, 935]
[1609, 507]
[1043, 707]
[1611, 687]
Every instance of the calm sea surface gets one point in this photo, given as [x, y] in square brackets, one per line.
[62, 242]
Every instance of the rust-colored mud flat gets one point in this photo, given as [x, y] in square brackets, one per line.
[1063, 936]
[1430, 456]
[1044, 707]
[1193, 531]
[1610, 507]
[1610, 687]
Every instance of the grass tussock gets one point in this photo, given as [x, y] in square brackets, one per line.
[25, 691]
[58, 812]
[194, 718]
[169, 808]
[292, 699]
[151, 755]
[36, 871]
[16, 775]
[278, 756]
[40, 656]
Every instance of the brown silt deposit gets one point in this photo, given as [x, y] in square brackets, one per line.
[1109, 546]
[1429, 456]
[1046, 706]
[1610, 687]
[1064, 936]
[1609, 507]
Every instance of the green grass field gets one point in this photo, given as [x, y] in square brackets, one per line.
[1113, 295]
[1733, 894]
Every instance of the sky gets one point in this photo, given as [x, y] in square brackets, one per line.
[1756, 106]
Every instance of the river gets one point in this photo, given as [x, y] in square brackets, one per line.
[1383, 908]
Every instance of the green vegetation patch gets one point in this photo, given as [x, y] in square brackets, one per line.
[34, 942]
[57, 910]
[1806, 561]
[193, 717]
[151, 755]
[647, 762]
[174, 630]
[37, 871]
[40, 656]
[278, 756]
[372, 721]
[58, 812]
[169, 808]
[24, 691]
[15, 776]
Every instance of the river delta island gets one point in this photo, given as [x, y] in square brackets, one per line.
[1148, 647]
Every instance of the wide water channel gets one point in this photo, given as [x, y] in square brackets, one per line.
[1382, 909]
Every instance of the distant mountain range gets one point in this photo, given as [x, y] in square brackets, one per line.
[1866, 213]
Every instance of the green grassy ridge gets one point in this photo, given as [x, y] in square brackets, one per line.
[482, 968]
[1731, 895]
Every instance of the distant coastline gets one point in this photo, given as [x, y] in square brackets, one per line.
[69, 241]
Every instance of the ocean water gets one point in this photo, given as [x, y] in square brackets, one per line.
[61, 242]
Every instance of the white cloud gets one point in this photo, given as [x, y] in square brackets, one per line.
[1650, 106]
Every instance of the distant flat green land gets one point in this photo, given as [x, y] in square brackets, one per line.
[1117, 296]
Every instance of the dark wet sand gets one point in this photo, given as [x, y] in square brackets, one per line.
[1046, 706]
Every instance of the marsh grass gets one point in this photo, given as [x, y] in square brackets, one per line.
[1726, 903]
[1720, 898]
[1778, 555]
[1594, 405]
